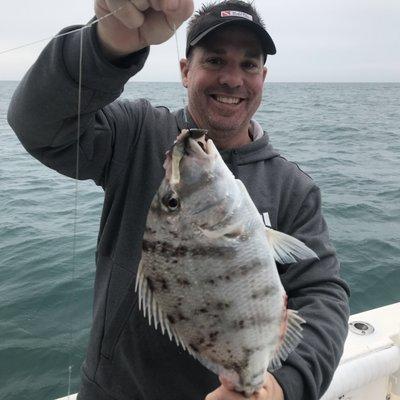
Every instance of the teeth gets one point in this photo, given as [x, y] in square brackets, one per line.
[228, 100]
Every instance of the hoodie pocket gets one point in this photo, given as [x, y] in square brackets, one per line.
[121, 300]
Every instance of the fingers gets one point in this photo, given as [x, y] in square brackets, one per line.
[141, 5]
[164, 5]
[131, 12]
[270, 391]
[127, 13]
[138, 23]
[224, 394]
[159, 26]
[170, 5]
[177, 11]
[272, 387]
[226, 383]
[155, 4]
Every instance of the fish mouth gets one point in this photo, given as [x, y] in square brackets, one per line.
[198, 136]
[195, 133]
[192, 143]
[198, 143]
[201, 149]
[195, 142]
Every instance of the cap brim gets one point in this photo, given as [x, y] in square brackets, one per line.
[266, 40]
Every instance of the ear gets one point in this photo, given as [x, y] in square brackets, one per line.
[184, 66]
[265, 71]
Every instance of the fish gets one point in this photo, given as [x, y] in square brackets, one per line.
[207, 275]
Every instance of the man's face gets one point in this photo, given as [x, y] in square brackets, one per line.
[225, 77]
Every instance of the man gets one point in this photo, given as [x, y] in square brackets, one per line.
[122, 146]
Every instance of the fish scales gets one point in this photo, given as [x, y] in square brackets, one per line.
[207, 272]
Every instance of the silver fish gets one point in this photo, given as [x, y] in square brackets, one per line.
[207, 274]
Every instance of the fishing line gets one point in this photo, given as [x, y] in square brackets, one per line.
[75, 223]
[88, 25]
[180, 78]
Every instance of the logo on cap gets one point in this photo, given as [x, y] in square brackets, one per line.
[231, 13]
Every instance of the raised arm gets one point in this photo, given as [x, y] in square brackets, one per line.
[44, 108]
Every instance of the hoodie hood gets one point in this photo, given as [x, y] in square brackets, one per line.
[258, 150]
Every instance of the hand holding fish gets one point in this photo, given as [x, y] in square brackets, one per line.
[138, 23]
[271, 390]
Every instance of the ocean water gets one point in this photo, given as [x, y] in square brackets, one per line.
[346, 136]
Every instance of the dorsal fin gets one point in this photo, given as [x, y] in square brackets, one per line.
[151, 308]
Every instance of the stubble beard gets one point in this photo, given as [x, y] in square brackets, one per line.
[219, 127]
[219, 131]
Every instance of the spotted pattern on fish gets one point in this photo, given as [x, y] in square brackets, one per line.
[183, 282]
[150, 231]
[158, 283]
[182, 317]
[252, 321]
[150, 284]
[171, 319]
[263, 293]
[168, 250]
[212, 307]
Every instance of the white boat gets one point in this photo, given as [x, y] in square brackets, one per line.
[370, 366]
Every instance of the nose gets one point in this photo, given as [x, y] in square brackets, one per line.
[231, 76]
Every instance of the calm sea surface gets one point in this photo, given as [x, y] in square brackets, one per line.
[346, 136]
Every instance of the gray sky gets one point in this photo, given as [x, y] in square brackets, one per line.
[317, 40]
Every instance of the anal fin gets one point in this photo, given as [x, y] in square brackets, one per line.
[291, 338]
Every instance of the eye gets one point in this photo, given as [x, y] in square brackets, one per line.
[171, 201]
[251, 66]
[214, 61]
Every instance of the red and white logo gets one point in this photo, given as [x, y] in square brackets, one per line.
[232, 13]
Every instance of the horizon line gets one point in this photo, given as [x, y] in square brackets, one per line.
[267, 82]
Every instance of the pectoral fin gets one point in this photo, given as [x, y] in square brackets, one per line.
[287, 249]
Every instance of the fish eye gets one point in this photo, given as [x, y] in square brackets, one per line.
[171, 201]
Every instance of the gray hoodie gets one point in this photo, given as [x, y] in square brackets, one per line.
[122, 147]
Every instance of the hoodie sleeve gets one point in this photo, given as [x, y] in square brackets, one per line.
[43, 110]
[316, 290]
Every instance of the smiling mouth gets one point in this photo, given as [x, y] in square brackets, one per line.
[227, 99]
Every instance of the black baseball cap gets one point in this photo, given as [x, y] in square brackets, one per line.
[228, 13]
